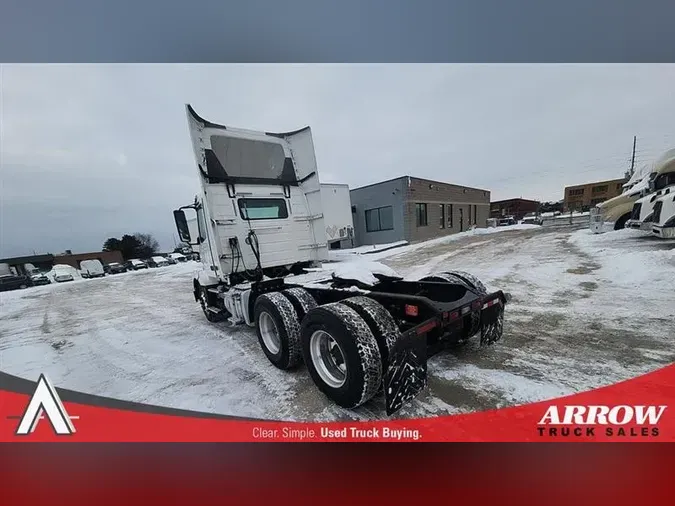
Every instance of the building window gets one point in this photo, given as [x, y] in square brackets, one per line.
[619, 186]
[380, 218]
[442, 220]
[595, 202]
[450, 216]
[579, 191]
[475, 214]
[421, 214]
[600, 189]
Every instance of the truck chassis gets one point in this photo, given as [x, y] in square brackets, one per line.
[359, 340]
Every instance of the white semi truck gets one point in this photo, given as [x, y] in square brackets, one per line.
[663, 219]
[633, 208]
[262, 238]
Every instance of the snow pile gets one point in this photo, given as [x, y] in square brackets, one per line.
[629, 258]
[363, 271]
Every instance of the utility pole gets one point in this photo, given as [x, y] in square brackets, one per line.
[632, 160]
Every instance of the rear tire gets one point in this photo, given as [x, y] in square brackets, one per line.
[471, 280]
[278, 329]
[444, 277]
[301, 299]
[381, 324]
[341, 354]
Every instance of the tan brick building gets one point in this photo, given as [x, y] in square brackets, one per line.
[415, 209]
[584, 196]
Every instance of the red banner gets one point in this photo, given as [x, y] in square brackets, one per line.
[633, 410]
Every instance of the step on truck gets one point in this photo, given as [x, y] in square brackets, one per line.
[360, 329]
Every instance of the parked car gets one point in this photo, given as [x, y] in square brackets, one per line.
[178, 257]
[63, 273]
[171, 260]
[158, 261]
[38, 278]
[507, 220]
[531, 219]
[91, 269]
[135, 264]
[115, 268]
[11, 280]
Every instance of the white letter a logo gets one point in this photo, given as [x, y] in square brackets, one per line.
[45, 399]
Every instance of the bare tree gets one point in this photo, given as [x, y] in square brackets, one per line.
[147, 245]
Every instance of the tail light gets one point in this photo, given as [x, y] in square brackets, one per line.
[411, 310]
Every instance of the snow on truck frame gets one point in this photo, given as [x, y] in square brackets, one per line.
[260, 232]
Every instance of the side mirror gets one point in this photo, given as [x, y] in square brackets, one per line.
[182, 226]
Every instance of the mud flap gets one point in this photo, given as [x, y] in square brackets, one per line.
[492, 324]
[406, 375]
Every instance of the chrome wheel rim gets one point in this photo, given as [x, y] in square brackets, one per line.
[269, 333]
[328, 359]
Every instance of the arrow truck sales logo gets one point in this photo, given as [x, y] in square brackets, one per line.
[45, 401]
[589, 421]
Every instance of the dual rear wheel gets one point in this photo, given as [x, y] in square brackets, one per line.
[345, 345]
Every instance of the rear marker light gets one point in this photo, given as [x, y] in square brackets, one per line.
[475, 305]
[454, 315]
[411, 310]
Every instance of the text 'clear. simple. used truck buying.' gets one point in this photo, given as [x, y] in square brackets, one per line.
[359, 327]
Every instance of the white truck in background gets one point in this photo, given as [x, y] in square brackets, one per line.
[620, 212]
[663, 219]
[261, 231]
[336, 204]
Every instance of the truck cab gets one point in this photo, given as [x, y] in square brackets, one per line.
[260, 212]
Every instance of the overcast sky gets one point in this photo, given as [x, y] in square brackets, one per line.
[97, 151]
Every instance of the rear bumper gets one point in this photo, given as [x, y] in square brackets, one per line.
[406, 375]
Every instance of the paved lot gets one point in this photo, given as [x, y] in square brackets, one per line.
[586, 311]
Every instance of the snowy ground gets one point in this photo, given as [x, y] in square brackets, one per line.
[587, 310]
